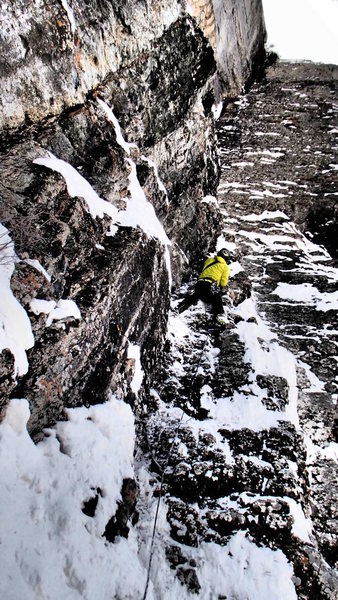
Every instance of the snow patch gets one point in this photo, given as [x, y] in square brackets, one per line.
[134, 353]
[49, 548]
[17, 415]
[210, 200]
[70, 15]
[265, 215]
[217, 110]
[138, 213]
[55, 311]
[306, 293]
[78, 186]
[243, 570]
[37, 265]
[15, 326]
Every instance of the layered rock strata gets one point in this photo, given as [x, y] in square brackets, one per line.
[147, 68]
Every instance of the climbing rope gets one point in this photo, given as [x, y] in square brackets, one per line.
[163, 474]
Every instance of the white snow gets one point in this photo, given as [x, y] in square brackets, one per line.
[56, 311]
[48, 547]
[15, 326]
[284, 242]
[266, 357]
[308, 294]
[266, 214]
[134, 353]
[330, 452]
[240, 411]
[273, 154]
[243, 570]
[64, 309]
[232, 184]
[119, 137]
[78, 186]
[38, 266]
[235, 267]
[139, 211]
[38, 306]
[222, 242]
[217, 110]
[301, 527]
[70, 15]
[17, 415]
[242, 164]
[210, 200]
[160, 183]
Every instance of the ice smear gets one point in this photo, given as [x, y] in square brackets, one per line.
[134, 353]
[49, 548]
[15, 326]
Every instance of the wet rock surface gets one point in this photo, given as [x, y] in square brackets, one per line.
[244, 431]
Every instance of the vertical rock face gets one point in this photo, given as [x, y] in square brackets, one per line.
[203, 11]
[247, 413]
[54, 53]
[232, 29]
[239, 25]
[109, 166]
[64, 65]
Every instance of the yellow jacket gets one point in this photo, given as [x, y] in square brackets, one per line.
[215, 269]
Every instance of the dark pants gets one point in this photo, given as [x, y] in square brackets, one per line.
[203, 291]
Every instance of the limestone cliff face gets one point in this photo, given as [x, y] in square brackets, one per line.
[152, 65]
[238, 26]
[54, 53]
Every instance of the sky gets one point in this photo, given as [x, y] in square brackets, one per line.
[303, 29]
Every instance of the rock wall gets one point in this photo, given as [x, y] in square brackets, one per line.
[239, 25]
[151, 64]
[244, 434]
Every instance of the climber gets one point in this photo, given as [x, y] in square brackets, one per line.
[214, 275]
